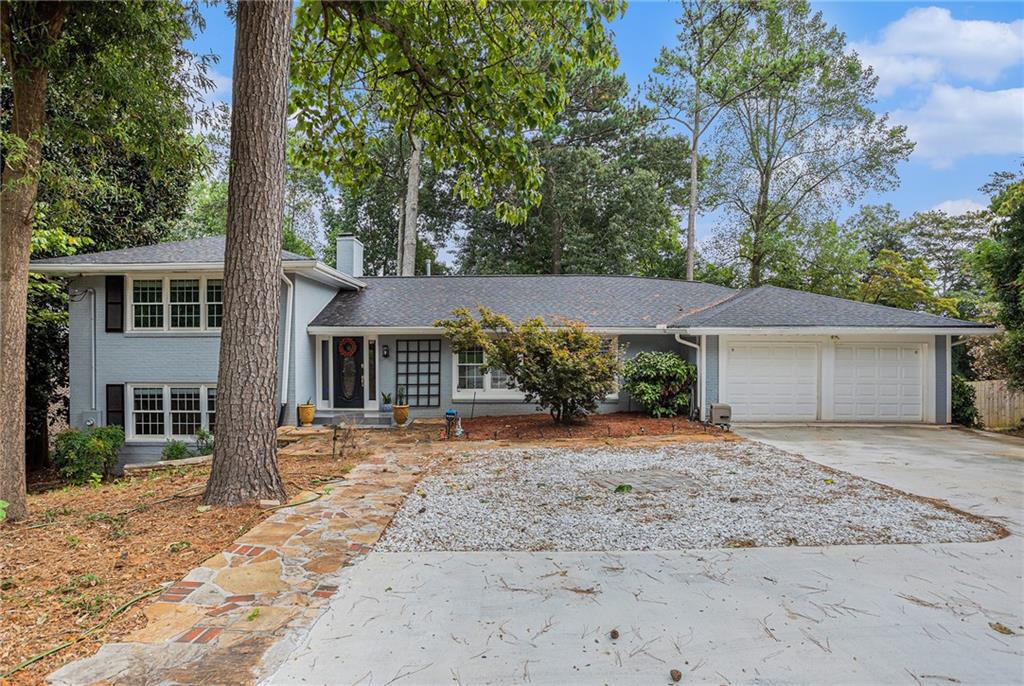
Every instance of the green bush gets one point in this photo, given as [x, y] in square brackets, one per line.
[660, 382]
[175, 450]
[204, 442]
[566, 370]
[81, 454]
[965, 412]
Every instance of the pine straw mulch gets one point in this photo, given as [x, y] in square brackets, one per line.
[617, 425]
[85, 551]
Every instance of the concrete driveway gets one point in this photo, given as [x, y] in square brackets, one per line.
[914, 614]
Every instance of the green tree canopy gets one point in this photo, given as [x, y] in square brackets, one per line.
[470, 80]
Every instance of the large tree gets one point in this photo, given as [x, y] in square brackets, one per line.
[807, 145]
[465, 82]
[706, 71]
[124, 73]
[613, 182]
[245, 453]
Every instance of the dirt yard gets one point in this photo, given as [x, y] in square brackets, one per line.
[618, 425]
[84, 552]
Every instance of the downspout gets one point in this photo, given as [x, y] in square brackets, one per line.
[289, 301]
[700, 370]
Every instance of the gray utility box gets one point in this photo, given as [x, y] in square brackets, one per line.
[721, 414]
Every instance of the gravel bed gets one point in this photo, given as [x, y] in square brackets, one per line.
[690, 495]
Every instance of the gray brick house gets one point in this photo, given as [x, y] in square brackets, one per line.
[144, 339]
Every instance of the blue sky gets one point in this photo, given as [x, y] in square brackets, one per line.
[952, 72]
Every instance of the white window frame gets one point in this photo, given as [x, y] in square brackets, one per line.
[129, 422]
[166, 279]
[487, 393]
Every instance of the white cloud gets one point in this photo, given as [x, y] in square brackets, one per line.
[928, 43]
[221, 88]
[960, 206]
[959, 122]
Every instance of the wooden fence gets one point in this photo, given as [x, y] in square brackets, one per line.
[998, 405]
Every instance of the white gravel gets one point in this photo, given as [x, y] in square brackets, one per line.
[728, 495]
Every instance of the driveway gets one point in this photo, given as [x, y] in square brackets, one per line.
[924, 614]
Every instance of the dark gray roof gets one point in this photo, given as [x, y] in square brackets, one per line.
[772, 306]
[600, 301]
[607, 302]
[196, 250]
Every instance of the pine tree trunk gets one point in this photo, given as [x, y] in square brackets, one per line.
[401, 235]
[691, 219]
[245, 451]
[412, 209]
[19, 186]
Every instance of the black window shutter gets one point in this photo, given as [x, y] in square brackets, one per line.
[115, 405]
[115, 304]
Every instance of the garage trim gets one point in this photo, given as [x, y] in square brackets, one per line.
[826, 365]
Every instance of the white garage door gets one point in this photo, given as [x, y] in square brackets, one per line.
[771, 381]
[878, 382]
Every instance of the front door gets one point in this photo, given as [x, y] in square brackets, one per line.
[348, 371]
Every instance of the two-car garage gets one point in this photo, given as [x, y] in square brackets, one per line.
[826, 379]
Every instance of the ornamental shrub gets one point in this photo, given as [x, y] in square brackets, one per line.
[85, 455]
[660, 382]
[965, 411]
[565, 370]
[175, 450]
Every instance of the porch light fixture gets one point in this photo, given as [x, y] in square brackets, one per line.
[385, 351]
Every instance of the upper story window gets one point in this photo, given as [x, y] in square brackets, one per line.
[178, 303]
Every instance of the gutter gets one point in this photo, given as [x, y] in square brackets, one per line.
[287, 337]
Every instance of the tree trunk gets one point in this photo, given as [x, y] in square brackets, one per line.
[401, 234]
[245, 452]
[19, 186]
[691, 219]
[412, 209]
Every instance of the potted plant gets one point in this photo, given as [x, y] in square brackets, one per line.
[385, 401]
[400, 412]
[306, 412]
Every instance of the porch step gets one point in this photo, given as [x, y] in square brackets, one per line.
[362, 418]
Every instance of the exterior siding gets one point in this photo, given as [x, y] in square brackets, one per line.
[942, 380]
[310, 297]
[132, 357]
[388, 371]
[710, 372]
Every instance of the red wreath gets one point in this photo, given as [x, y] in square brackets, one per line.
[347, 347]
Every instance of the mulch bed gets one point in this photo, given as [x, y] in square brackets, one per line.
[86, 551]
[617, 425]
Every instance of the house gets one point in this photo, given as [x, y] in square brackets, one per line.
[144, 339]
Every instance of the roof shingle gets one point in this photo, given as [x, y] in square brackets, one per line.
[209, 250]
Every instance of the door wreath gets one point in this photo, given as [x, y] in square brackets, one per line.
[347, 347]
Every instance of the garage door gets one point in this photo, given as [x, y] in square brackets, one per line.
[771, 381]
[878, 382]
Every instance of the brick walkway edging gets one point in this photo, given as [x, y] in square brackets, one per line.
[219, 623]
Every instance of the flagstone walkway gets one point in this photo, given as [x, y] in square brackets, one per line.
[226, 616]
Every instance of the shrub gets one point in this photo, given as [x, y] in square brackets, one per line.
[175, 450]
[80, 454]
[660, 382]
[565, 370]
[204, 442]
[965, 411]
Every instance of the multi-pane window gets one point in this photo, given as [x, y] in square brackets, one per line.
[172, 410]
[211, 407]
[186, 414]
[471, 375]
[472, 379]
[186, 309]
[418, 371]
[214, 302]
[177, 303]
[148, 303]
[148, 411]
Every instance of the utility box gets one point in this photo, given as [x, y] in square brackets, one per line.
[721, 414]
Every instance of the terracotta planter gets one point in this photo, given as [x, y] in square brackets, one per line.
[400, 413]
[306, 413]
